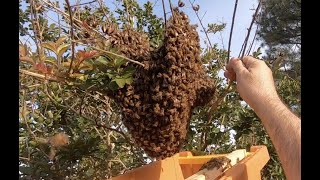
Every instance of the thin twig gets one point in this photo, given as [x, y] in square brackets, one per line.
[104, 11]
[72, 37]
[204, 30]
[254, 38]
[241, 50]
[156, 1]
[35, 30]
[34, 85]
[171, 7]
[59, 23]
[221, 40]
[83, 3]
[125, 3]
[24, 158]
[108, 52]
[249, 30]
[81, 103]
[100, 135]
[164, 13]
[203, 15]
[118, 160]
[75, 20]
[24, 109]
[231, 30]
[68, 107]
[38, 75]
[218, 101]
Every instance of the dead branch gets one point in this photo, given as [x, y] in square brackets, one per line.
[249, 29]
[231, 30]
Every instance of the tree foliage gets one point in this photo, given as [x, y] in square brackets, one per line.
[280, 22]
[65, 92]
[280, 30]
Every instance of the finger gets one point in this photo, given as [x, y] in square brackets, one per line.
[229, 67]
[230, 75]
[248, 61]
[236, 65]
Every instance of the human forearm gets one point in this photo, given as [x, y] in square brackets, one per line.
[255, 84]
[284, 129]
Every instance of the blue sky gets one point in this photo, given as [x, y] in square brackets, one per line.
[212, 11]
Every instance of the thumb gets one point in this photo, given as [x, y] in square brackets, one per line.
[236, 66]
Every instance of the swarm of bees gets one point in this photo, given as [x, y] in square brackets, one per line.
[158, 105]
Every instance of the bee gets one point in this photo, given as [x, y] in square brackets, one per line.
[180, 3]
[136, 116]
[157, 149]
[145, 142]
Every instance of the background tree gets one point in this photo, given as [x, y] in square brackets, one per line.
[280, 30]
[69, 128]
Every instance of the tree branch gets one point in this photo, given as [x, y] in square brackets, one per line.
[204, 29]
[84, 3]
[44, 77]
[231, 30]
[164, 14]
[108, 52]
[72, 36]
[249, 30]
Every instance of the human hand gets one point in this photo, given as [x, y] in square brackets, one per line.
[254, 79]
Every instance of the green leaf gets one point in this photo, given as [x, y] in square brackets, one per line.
[51, 60]
[120, 82]
[52, 26]
[111, 74]
[90, 172]
[25, 170]
[33, 143]
[62, 49]
[50, 114]
[102, 60]
[113, 86]
[216, 130]
[21, 139]
[50, 46]
[128, 71]
[129, 80]
[119, 61]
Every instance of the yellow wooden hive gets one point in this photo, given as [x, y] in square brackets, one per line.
[184, 166]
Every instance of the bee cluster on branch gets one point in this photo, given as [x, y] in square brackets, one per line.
[158, 105]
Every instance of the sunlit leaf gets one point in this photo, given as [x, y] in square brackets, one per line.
[129, 80]
[61, 40]
[66, 64]
[51, 60]
[85, 66]
[22, 50]
[62, 49]
[50, 46]
[102, 60]
[120, 82]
